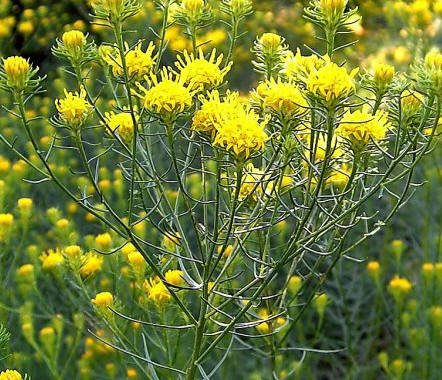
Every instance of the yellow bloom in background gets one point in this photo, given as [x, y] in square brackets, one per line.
[157, 291]
[10, 374]
[242, 133]
[138, 62]
[331, 82]
[213, 110]
[25, 204]
[174, 277]
[201, 73]
[121, 124]
[26, 271]
[362, 127]
[339, 177]
[168, 97]
[251, 186]
[399, 287]
[284, 98]
[74, 108]
[52, 259]
[103, 241]
[103, 300]
[17, 71]
[433, 60]
[92, 263]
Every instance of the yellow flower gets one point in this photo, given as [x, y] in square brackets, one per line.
[200, 73]
[17, 70]
[333, 6]
[103, 241]
[25, 271]
[294, 285]
[6, 220]
[374, 269]
[157, 291]
[121, 124]
[362, 127]
[251, 186]
[299, 67]
[74, 42]
[270, 42]
[51, 259]
[24, 203]
[339, 177]
[284, 98]
[331, 82]
[213, 110]
[74, 108]
[241, 132]
[411, 102]
[433, 60]
[72, 251]
[138, 62]
[10, 374]
[174, 277]
[136, 259]
[168, 97]
[383, 74]
[91, 265]
[399, 287]
[103, 300]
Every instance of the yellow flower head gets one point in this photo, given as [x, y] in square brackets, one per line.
[331, 82]
[6, 220]
[399, 287]
[24, 204]
[270, 42]
[103, 241]
[157, 291]
[52, 259]
[103, 300]
[136, 259]
[362, 127]
[138, 62]
[74, 42]
[201, 73]
[411, 102]
[284, 98]
[74, 108]
[383, 74]
[121, 124]
[338, 178]
[91, 265]
[168, 97]
[433, 60]
[17, 70]
[25, 271]
[213, 110]
[299, 67]
[174, 277]
[251, 186]
[242, 132]
[373, 269]
[333, 6]
[10, 374]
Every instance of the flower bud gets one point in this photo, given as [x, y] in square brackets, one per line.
[333, 8]
[17, 70]
[374, 270]
[240, 7]
[47, 338]
[294, 285]
[320, 303]
[383, 74]
[270, 42]
[399, 288]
